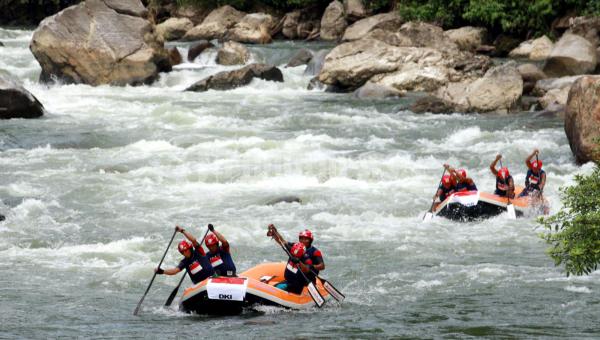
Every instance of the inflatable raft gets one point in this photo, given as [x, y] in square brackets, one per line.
[473, 205]
[230, 295]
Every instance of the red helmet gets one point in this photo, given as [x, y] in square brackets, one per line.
[211, 239]
[298, 250]
[183, 246]
[462, 173]
[536, 165]
[306, 233]
[447, 181]
[503, 173]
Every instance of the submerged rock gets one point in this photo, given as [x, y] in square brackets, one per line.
[582, 118]
[16, 101]
[376, 91]
[174, 56]
[197, 49]
[302, 57]
[284, 199]
[432, 104]
[95, 43]
[228, 80]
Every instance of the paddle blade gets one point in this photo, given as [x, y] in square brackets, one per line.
[315, 295]
[333, 291]
[511, 212]
[172, 297]
[428, 217]
[139, 305]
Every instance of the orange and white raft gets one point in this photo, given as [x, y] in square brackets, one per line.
[473, 205]
[230, 295]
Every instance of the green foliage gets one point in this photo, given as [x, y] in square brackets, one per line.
[506, 16]
[574, 232]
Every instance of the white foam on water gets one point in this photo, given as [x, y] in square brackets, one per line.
[576, 289]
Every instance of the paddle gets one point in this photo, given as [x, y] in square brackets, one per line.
[330, 288]
[137, 309]
[174, 292]
[510, 209]
[312, 290]
[429, 214]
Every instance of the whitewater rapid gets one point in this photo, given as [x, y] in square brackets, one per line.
[93, 190]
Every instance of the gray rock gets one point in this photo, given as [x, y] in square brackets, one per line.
[582, 121]
[384, 21]
[16, 101]
[432, 104]
[174, 56]
[228, 80]
[1, 44]
[544, 85]
[254, 28]
[355, 10]
[215, 25]
[284, 199]
[233, 53]
[571, 55]
[333, 22]
[197, 49]
[535, 49]
[302, 57]
[376, 91]
[173, 28]
[128, 7]
[467, 38]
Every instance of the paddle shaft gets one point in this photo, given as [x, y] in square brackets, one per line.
[137, 309]
[174, 292]
[507, 185]
[433, 200]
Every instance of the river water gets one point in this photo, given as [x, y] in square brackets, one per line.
[93, 190]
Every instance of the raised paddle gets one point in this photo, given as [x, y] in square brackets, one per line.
[137, 309]
[429, 214]
[174, 292]
[510, 209]
[312, 290]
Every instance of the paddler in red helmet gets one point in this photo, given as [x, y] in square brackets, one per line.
[307, 257]
[218, 253]
[463, 182]
[194, 261]
[505, 186]
[535, 180]
[446, 188]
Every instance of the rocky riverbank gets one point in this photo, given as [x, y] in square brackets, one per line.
[377, 54]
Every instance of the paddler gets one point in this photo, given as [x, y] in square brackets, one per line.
[446, 188]
[463, 182]
[194, 261]
[218, 254]
[305, 257]
[535, 180]
[505, 186]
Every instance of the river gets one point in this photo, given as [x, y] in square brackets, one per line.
[92, 191]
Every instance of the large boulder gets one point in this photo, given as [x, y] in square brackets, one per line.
[498, 91]
[467, 38]
[254, 28]
[173, 28]
[233, 53]
[216, 24]
[534, 49]
[94, 43]
[413, 77]
[555, 99]
[587, 27]
[16, 102]
[355, 10]
[333, 22]
[582, 118]
[571, 55]
[544, 85]
[228, 80]
[422, 34]
[128, 7]
[385, 21]
[290, 24]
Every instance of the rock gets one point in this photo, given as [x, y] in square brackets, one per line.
[582, 118]
[16, 101]
[216, 24]
[412, 77]
[432, 104]
[173, 28]
[315, 84]
[498, 91]
[302, 57]
[486, 49]
[586, 27]
[530, 74]
[254, 28]
[333, 22]
[535, 49]
[233, 53]
[71, 46]
[422, 34]
[1, 44]
[571, 55]
[197, 49]
[196, 14]
[544, 85]
[127, 7]
[315, 65]
[355, 10]
[308, 29]
[284, 199]
[174, 56]
[385, 21]
[555, 99]
[231, 79]
[376, 91]
[504, 44]
[467, 38]
[2, 218]
[529, 103]
[290, 25]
